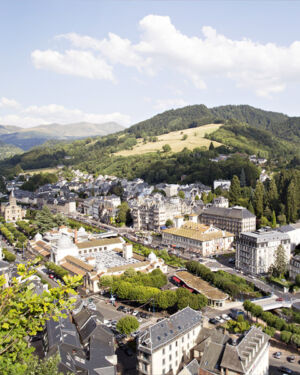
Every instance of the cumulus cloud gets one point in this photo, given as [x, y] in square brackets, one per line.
[265, 69]
[8, 103]
[42, 115]
[73, 62]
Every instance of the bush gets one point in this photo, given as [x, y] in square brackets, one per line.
[8, 256]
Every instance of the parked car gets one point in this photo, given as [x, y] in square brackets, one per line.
[277, 355]
[225, 317]
[291, 358]
[279, 299]
[286, 370]
[120, 308]
[213, 321]
[135, 312]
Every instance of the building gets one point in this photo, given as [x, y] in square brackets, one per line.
[220, 202]
[215, 297]
[62, 206]
[234, 219]
[294, 267]
[223, 184]
[293, 231]
[219, 354]
[255, 251]
[11, 211]
[162, 347]
[198, 238]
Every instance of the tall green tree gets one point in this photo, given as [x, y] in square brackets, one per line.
[291, 202]
[259, 199]
[274, 223]
[281, 261]
[44, 220]
[273, 195]
[243, 182]
[127, 324]
[235, 190]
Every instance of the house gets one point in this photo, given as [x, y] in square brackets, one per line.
[222, 184]
[293, 231]
[220, 202]
[162, 347]
[255, 251]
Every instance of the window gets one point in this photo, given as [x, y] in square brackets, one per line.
[176, 344]
[182, 340]
[163, 371]
[170, 347]
[188, 335]
[164, 351]
[170, 357]
[163, 361]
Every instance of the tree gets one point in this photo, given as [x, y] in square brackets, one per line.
[291, 203]
[295, 339]
[44, 220]
[127, 325]
[185, 136]
[297, 280]
[123, 213]
[197, 198]
[169, 223]
[251, 208]
[211, 147]
[24, 313]
[273, 195]
[181, 194]
[47, 366]
[235, 190]
[280, 262]
[259, 199]
[166, 148]
[274, 223]
[243, 178]
[8, 256]
[269, 331]
[285, 336]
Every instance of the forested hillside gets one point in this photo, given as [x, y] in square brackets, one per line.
[268, 134]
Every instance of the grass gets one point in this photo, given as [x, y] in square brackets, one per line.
[195, 138]
[42, 170]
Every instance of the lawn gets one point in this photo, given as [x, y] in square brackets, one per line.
[195, 138]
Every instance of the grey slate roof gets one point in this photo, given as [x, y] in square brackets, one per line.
[211, 357]
[193, 367]
[286, 228]
[167, 330]
[232, 212]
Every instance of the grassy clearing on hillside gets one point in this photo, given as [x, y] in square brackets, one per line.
[42, 170]
[195, 138]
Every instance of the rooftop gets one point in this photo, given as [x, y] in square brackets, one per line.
[236, 212]
[99, 242]
[170, 328]
[201, 286]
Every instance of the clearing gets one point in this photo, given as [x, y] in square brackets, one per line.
[195, 138]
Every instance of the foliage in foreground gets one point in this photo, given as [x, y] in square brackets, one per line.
[24, 313]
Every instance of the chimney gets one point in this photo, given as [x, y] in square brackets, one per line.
[75, 236]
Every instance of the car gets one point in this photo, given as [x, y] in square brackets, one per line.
[131, 311]
[225, 317]
[139, 319]
[221, 321]
[213, 321]
[279, 299]
[291, 358]
[277, 355]
[286, 370]
[120, 308]
[135, 312]
[51, 276]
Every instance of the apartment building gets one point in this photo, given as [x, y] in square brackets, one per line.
[234, 219]
[163, 346]
[255, 251]
[199, 238]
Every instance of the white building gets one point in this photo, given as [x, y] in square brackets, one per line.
[171, 190]
[220, 202]
[199, 238]
[293, 231]
[255, 251]
[294, 267]
[162, 346]
[223, 184]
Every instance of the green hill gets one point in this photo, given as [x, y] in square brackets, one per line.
[246, 129]
[7, 150]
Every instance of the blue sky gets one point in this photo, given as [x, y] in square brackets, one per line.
[91, 60]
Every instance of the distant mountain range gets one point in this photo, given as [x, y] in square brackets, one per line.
[26, 138]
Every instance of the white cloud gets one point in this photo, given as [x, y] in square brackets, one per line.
[8, 103]
[53, 113]
[265, 69]
[73, 62]
[165, 104]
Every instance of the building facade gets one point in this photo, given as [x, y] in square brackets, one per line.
[11, 211]
[199, 238]
[234, 219]
[162, 347]
[255, 251]
[294, 267]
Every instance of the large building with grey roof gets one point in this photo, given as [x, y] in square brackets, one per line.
[234, 219]
[256, 251]
[163, 346]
